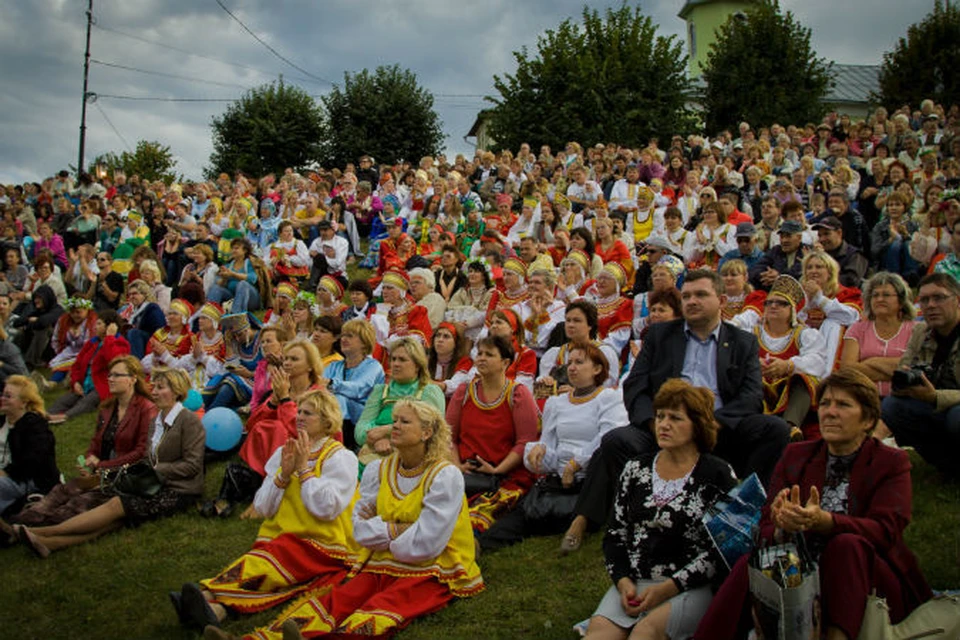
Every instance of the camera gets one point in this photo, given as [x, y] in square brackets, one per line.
[912, 377]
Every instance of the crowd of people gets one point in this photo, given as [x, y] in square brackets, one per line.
[602, 338]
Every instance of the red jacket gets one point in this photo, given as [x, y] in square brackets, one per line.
[97, 357]
[130, 442]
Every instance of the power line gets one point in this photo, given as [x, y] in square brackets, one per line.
[119, 135]
[167, 75]
[269, 48]
[193, 53]
[162, 98]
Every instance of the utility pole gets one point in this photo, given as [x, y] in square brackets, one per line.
[86, 75]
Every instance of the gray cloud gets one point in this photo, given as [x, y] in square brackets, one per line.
[454, 48]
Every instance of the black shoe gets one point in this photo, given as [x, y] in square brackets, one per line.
[176, 599]
[207, 510]
[197, 612]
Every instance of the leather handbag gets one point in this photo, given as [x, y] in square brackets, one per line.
[137, 479]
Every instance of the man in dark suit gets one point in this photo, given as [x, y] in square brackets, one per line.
[708, 353]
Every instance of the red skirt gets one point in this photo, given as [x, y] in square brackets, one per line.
[370, 605]
[274, 571]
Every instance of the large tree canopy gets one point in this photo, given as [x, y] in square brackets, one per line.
[762, 69]
[925, 64]
[609, 78]
[151, 161]
[386, 114]
[270, 128]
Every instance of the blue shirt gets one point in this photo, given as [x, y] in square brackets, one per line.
[734, 254]
[700, 362]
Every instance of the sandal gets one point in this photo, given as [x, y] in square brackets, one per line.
[31, 541]
[570, 543]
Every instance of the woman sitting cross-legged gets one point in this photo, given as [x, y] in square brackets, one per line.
[658, 553]
[414, 523]
[306, 542]
[174, 450]
[120, 439]
[573, 424]
[849, 496]
[492, 418]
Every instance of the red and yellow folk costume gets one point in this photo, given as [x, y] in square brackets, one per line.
[383, 593]
[295, 552]
[776, 393]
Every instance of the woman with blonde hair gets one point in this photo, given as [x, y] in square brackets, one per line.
[409, 378]
[174, 450]
[306, 541]
[414, 522]
[141, 316]
[30, 463]
[736, 286]
[830, 306]
[151, 274]
[270, 425]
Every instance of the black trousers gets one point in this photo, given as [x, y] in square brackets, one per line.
[754, 446]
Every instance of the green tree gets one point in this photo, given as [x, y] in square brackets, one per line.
[271, 127]
[762, 69]
[151, 161]
[925, 64]
[386, 114]
[609, 77]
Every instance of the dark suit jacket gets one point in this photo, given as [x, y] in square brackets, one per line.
[661, 358]
[879, 502]
[33, 453]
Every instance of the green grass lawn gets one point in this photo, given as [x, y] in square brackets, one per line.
[117, 586]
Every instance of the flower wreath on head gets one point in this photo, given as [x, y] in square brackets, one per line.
[310, 299]
[478, 260]
[77, 303]
[950, 194]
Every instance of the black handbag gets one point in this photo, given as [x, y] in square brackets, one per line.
[475, 483]
[548, 499]
[137, 479]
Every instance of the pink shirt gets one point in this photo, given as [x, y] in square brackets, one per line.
[873, 346]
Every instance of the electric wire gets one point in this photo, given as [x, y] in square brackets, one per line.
[269, 48]
[115, 130]
[166, 75]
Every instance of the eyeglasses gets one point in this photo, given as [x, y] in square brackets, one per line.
[775, 302]
[937, 298]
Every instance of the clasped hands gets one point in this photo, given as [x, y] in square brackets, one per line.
[634, 604]
[790, 516]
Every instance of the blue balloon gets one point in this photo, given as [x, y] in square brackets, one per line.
[194, 401]
[224, 429]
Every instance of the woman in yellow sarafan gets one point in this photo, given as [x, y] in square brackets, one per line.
[413, 520]
[306, 543]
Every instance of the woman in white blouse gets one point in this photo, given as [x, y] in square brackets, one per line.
[414, 523]
[573, 425]
[306, 540]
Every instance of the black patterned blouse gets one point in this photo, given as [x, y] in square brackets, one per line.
[650, 542]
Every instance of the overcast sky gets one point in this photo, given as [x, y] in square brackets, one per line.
[454, 47]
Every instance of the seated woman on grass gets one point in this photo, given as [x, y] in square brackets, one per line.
[414, 523]
[270, 425]
[658, 553]
[174, 450]
[88, 375]
[72, 331]
[352, 379]
[30, 464]
[306, 540]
